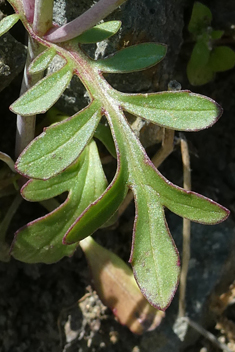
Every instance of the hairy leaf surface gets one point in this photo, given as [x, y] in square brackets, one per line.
[133, 58]
[183, 110]
[44, 94]
[100, 32]
[8, 22]
[41, 240]
[41, 62]
[59, 145]
[154, 256]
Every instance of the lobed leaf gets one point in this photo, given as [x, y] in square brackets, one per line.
[100, 32]
[41, 62]
[154, 257]
[178, 110]
[100, 211]
[59, 145]
[133, 58]
[41, 240]
[44, 94]
[8, 22]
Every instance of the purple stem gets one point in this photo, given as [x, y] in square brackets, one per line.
[87, 20]
[29, 9]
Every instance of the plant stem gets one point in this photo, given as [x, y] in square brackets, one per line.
[207, 335]
[82, 23]
[186, 229]
[4, 248]
[43, 12]
[42, 21]
[29, 9]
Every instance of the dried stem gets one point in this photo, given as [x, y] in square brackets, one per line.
[207, 335]
[186, 229]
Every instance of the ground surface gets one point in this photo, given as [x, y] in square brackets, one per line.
[38, 303]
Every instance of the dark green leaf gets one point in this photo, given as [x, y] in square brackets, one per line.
[100, 32]
[99, 212]
[176, 110]
[59, 145]
[133, 58]
[41, 240]
[7, 23]
[198, 69]
[200, 19]
[103, 133]
[216, 34]
[222, 58]
[41, 62]
[44, 94]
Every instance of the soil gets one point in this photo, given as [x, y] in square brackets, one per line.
[54, 308]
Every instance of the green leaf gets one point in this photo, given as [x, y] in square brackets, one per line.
[41, 62]
[44, 94]
[178, 110]
[133, 58]
[154, 256]
[216, 34]
[41, 240]
[192, 206]
[222, 58]
[100, 211]
[103, 133]
[200, 19]
[100, 32]
[59, 145]
[199, 71]
[8, 22]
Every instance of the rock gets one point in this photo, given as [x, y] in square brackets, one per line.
[142, 21]
[12, 59]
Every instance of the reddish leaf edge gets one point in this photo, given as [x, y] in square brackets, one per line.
[41, 135]
[217, 117]
[143, 291]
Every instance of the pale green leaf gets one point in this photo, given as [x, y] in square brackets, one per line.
[7, 22]
[41, 62]
[44, 94]
[41, 240]
[178, 110]
[100, 32]
[59, 145]
[133, 58]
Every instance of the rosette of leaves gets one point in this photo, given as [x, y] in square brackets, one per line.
[207, 58]
[64, 158]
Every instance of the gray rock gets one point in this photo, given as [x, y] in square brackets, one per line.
[12, 59]
[142, 21]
